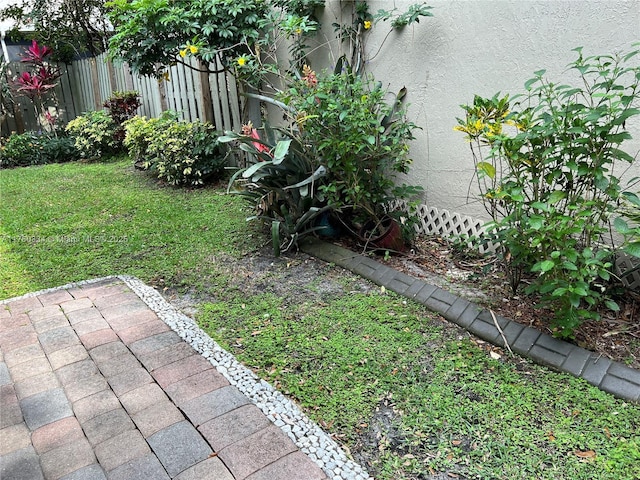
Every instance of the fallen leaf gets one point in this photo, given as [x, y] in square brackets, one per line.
[383, 290]
[256, 332]
[586, 454]
[495, 355]
[455, 443]
[551, 437]
[611, 333]
[607, 432]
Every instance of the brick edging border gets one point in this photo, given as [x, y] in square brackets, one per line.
[612, 377]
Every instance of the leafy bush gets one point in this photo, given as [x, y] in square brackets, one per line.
[94, 134]
[180, 153]
[121, 107]
[31, 148]
[140, 131]
[545, 171]
[283, 184]
[360, 138]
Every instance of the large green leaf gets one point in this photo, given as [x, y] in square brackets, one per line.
[250, 171]
[543, 266]
[281, 150]
[487, 169]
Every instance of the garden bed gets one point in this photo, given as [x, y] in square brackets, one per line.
[616, 336]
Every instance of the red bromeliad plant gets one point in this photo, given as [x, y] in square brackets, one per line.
[38, 83]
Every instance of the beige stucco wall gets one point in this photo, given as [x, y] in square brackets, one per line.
[482, 47]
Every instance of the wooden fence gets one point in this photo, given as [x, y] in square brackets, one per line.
[87, 83]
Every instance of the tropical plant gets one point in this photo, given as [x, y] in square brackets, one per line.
[545, 169]
[37, 84]
[360, 138]
[122, 106]
[283, 183]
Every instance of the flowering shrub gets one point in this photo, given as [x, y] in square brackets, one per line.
[282, 182]
[545, 172]
[150, 35]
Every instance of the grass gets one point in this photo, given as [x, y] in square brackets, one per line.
[68, 222]
[446, 404]
[407, 393]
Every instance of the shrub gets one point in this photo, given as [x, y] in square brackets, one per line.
[31, 148]
[121, 107]
[282, 183]
[361, 138]
[550, 184]
[140, 131]
[180, 153]
[94, 134]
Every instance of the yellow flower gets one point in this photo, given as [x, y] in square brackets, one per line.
[242, 61]
[367, 24]
[183, 53]
[298, 31]
[193, 49]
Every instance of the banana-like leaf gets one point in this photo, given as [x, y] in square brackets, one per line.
[250, 171]
[281, 150]
[320, 172]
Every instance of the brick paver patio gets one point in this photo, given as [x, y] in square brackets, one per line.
[93, 385]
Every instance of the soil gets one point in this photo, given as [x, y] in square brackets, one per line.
[477, 278]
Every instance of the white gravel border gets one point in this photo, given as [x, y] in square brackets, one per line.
[283, 412]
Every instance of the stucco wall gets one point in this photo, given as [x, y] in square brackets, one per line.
[482, 47]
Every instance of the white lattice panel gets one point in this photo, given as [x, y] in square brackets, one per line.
[435, 221]
[625, 263]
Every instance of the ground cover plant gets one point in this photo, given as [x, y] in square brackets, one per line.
[406, 393]
[411, 396]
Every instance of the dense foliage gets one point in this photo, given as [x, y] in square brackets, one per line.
[283, 183]
[546, 174]
[68, 27]
[21, 150]
[178, 152]
[360, 136]
[153, 34]
[94, 134]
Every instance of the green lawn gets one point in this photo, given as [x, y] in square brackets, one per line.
[382, 375]
[68, 222]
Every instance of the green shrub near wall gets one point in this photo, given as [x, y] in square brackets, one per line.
[22, 150]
